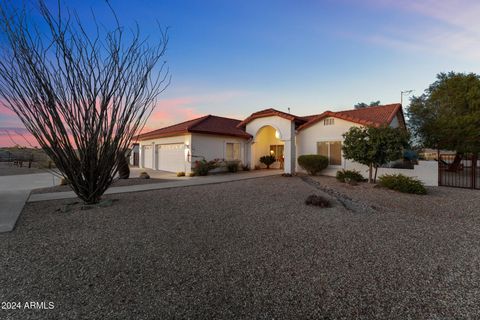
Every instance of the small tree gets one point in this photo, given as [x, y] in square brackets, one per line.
[83, 96]
[374, 147]
[268, 160]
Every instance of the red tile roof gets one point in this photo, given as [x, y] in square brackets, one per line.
[207, 125]
[270, 113]
[370, 116]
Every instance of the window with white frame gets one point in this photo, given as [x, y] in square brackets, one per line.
[232, 151]
[332, 150]
[328, 121]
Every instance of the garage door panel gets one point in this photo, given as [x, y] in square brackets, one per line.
[171, 157]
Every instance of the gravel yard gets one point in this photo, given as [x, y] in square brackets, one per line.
[8, 169]
[249, 249]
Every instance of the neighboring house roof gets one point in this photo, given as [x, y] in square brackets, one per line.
[370, 116]
[270, 113]
[208, 125]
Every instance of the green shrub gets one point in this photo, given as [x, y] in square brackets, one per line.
[313, 163]
[202, 167]
[181, 174]
[352, 175]
[232, 166]
[268, 160]
[402, 183]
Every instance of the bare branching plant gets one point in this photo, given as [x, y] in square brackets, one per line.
[83, 95]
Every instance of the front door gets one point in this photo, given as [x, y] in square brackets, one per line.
[277, 151]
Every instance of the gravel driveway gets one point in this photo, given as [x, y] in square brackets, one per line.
[248, 249]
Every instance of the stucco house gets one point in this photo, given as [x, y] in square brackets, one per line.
[175, 148]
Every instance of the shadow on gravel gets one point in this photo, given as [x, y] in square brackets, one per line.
[347, 202]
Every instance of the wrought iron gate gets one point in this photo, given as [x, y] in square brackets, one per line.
[459, 170]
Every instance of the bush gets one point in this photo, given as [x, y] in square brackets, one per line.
[144, 175]
[314, 200]
[181, 174]
[268, 160]
[245, 167]
[202, 167]
[350, 175]
[191, 174]
[313, 163]
[402, 183]
[232, 166]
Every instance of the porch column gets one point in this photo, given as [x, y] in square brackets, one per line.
[289, 153]
[154, 157]
[289, 150]
[246, 153]
[251, 154]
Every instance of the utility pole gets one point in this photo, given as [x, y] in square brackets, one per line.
[407, 92]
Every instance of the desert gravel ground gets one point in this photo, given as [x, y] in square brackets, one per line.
[248, 249]
[8, 169]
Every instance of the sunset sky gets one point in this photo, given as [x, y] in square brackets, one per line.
[232, 58]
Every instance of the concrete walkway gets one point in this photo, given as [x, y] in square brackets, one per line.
[14, 192]
[11, 205]
[28, 181]
[185, 182]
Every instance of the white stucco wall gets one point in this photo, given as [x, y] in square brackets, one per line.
[394, 123]
[197, 147]
[282, 125]
[307, 139]
[286, 132]
[214, 147]
[426, 171]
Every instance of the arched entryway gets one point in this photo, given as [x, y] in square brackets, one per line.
[268, 141]
[271, 131]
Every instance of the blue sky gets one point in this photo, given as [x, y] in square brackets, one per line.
[233, 58]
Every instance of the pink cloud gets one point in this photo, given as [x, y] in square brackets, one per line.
[5, 111]
[175, 110]
[173, 103]
[16, 136]
[165, 113]
[171, 111]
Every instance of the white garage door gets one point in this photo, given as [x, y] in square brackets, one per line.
[171, 157]
[147, 155]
